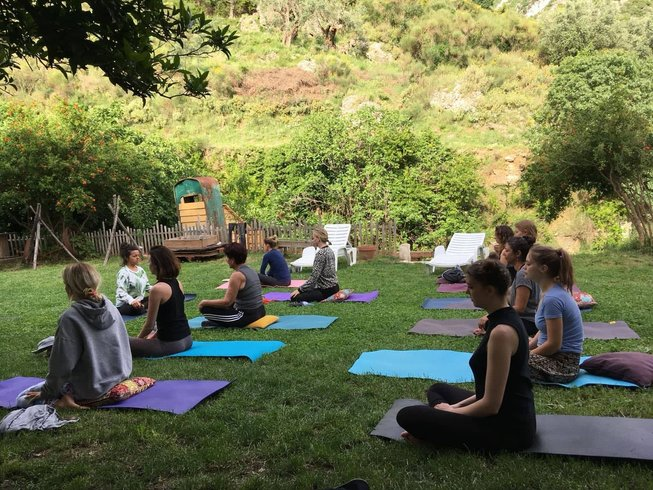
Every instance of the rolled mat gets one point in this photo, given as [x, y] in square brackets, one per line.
[367, 297]
[466, 327]
[447, 366]
[252, 349]
[568, 435]
[175, 396]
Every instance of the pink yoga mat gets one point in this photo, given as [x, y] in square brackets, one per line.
[294, 283]
[460, 287]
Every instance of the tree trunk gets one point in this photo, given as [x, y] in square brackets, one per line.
[290, 35]
[636, 213]
[329, 33]
[231, 8]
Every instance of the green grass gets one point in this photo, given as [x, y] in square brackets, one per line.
[297, 418]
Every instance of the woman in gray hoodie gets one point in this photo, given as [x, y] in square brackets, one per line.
[91, 351]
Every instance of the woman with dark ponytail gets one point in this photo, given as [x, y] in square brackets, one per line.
[555, 350]
[279, 273]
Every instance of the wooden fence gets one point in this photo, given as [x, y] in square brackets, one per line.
[383, 235]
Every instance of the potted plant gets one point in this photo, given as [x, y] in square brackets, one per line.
[367, 252]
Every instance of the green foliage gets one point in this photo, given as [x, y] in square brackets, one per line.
[138, 44]
[368, 166]
[608, 217]
[72, 159]
[594, 133]
[575, 26]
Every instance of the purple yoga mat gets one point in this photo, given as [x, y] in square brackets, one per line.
[175, 396]
[606, 331]
[355, 297]
[12, 387]
[460, 287]
[455, 328]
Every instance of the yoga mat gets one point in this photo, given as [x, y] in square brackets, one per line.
[568, 435]
[175, 396]
[252, 349]
[302, 322]
[611, 330]
[294, 283]
[355, 297]
[461, 303]
[12, 387]
[466, 327]
[459, 287]
[187, 297]
[454, 328]
[445, 365]
[448, 366]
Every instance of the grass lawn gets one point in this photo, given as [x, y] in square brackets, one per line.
[297, 418]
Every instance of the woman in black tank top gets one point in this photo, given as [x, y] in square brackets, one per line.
[500, 413]
[165, 311]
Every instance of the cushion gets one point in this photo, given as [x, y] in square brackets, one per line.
[263, 322]
[583, 300]
[341, 295]
[122, 391]
[636, 367]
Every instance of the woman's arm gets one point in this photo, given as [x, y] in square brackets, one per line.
[159, 293]
[553, 338]
[502, 344]
[122, 288]
[522, 295]
[318, 266]
[465, 402]
[236, 283]
[66, 352]
[264, 263]
[532, 343]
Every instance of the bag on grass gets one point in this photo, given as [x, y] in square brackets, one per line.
[454, 275]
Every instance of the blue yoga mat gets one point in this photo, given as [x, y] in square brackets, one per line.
[252, 349]
[447, 366]
[187, 297]
[458, 303]
[286, 322]
[302, 322]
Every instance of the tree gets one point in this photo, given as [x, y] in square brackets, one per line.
[288, 15]
[595, 133]
[138, 44]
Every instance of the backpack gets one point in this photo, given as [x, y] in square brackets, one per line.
[454, 275]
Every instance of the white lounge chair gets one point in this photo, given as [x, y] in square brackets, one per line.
[462, 250]
[339, 238]
[306, 260]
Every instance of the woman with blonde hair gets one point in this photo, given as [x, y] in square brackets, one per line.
[526, 227]
[279, 273]
[166, 329]
[324, 280]
[91, 353]
[555, 350]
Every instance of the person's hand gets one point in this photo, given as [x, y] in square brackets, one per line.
[136, 304]
[479, 332]
[32, 395]
[294, 293]
[67, 401]
[151, 335]
[445, 407]
[201, 304]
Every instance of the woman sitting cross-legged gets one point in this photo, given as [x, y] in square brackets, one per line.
[90, 354]
[556, 348]
[500, 413]
[323, 281]
[242, 303]
[279, 273]
[131, 283]
[166, 329]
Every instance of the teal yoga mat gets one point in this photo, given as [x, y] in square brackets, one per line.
[302, 322]
[447, 366]
[252, 349]
[286, 322]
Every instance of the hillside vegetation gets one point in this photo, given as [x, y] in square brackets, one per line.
[471, 73]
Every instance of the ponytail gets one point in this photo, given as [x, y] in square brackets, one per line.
[273, 241]
[558, 263]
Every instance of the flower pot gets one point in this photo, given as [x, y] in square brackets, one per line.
[366, 252]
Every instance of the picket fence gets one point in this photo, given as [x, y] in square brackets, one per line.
[382, 234]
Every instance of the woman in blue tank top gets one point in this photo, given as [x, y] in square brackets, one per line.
[243, 302]
[556, 348]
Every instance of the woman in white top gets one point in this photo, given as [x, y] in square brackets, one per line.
[131, 283]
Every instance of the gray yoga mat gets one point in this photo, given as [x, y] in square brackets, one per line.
[565, 435]
[465, 327]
